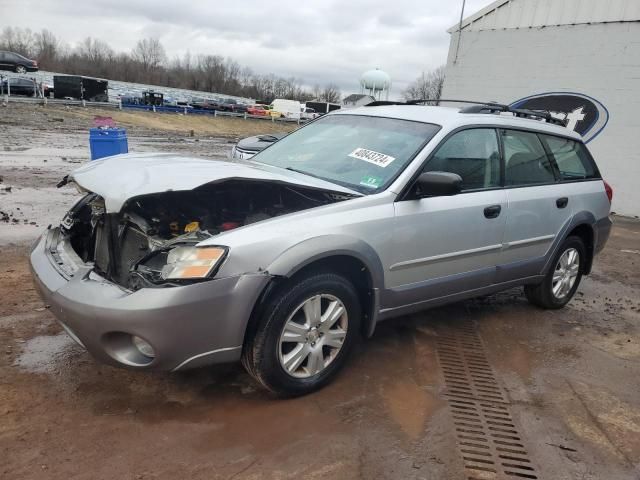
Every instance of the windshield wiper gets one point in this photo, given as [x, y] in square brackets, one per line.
[291, 169]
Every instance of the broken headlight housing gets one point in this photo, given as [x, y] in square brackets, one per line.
[182, 263]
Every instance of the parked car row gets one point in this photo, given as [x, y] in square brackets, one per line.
[279, 108]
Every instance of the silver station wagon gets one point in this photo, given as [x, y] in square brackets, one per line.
[281, 261]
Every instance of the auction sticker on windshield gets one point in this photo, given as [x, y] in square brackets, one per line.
[377, 158]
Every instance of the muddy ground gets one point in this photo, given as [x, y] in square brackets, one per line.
[567, 379]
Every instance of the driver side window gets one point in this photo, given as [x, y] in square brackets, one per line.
[473, 154]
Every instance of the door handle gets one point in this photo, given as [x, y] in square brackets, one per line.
[493, 211]
[562, 202]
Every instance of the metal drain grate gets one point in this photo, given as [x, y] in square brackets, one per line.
[488, 439]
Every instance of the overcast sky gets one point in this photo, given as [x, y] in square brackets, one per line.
[316, 41]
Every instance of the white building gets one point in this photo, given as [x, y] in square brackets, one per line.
[357, 100]
[579, 57]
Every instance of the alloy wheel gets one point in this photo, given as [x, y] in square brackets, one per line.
[20, 69]
[313, 335]
[565, 274]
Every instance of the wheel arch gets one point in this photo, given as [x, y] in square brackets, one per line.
[582, 224]
[585, 232]
[348, 256]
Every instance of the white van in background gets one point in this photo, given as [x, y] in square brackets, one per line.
[288, 108]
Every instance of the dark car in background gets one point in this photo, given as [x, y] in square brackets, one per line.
[14, 62]
[19, 86]
[231, 105]
[248, 147]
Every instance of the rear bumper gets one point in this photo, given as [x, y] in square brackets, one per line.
[187, 326]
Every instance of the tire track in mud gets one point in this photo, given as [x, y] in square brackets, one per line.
[488, 439]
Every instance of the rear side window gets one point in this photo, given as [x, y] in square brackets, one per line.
[473, 154]
[572, 158]
[526, 161]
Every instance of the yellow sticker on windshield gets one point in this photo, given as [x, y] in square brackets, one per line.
[377, 158]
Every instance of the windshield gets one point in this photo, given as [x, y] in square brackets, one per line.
[359, 152]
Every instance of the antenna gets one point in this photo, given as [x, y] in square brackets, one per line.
[455, 58]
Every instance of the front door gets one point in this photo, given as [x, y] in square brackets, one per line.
[451, 244]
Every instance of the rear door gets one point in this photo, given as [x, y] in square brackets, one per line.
[450, 244]
[539, 205]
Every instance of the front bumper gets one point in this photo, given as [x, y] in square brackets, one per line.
[187, 326]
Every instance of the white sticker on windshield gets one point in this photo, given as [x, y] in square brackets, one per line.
[377, 158]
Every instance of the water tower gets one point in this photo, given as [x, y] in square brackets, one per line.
[376, 83]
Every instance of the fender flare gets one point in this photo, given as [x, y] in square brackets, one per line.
[580, 218]
[308, 251]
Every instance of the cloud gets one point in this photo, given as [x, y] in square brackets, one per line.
[317, 41]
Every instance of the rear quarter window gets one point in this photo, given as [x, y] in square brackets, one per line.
[572, 158]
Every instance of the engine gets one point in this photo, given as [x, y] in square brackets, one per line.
[118, 243]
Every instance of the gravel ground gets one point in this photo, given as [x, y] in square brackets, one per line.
[569, 377]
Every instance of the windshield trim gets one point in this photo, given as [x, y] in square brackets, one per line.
[357, 188]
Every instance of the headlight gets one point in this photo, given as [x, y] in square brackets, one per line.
[186, 262]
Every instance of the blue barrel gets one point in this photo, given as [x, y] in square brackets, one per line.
[105, 142]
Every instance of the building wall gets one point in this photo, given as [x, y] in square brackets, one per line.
[545, 13]
[599, 60]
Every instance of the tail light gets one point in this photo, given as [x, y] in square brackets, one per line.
[609, 190]
[35, 64]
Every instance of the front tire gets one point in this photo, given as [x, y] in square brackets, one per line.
[304, 334]
[562, 279]
[21, 69]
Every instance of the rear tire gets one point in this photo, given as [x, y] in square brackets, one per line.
[304, 334]
[562, 279]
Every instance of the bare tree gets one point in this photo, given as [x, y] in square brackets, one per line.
[18, 40]
[331, 94]
[95, 51]
[46, 47]
[150, 53]
[426, 86]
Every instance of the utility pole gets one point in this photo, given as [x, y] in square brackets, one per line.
[455, 58]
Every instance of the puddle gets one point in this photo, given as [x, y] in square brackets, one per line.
[410, 406]
[45, 353]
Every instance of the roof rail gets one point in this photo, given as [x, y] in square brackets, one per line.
[382, 103]
[482, 107]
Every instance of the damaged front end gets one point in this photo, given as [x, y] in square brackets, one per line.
[151, 241]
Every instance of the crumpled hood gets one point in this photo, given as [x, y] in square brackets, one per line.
[119, 178]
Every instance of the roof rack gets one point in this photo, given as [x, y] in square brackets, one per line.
[482, 107]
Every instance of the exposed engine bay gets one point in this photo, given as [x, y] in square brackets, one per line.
[131, 247]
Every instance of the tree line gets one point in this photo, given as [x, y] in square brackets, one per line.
[428, 86]
[148, 63]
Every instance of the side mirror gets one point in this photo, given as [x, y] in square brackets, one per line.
[437, 184]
